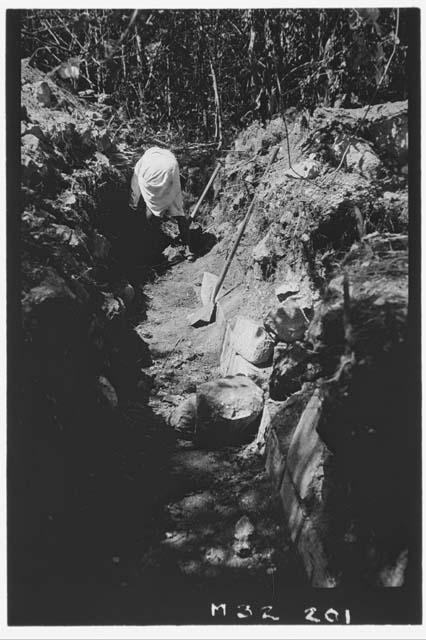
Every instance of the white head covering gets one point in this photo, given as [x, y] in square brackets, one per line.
[159, 181]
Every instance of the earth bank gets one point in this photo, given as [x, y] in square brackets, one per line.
[108, 493]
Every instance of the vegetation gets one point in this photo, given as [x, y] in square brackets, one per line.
[206, 72]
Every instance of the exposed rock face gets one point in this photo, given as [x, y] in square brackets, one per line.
[338, 265]
[228, 411]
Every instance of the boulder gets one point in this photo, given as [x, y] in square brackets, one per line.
[183, 417]
[251, 341]
[288, 322]
[228, 411]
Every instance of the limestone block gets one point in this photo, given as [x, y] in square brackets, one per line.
[251, 341]
[314, 557]
[306, 453]
[275, 460]
[292, 508]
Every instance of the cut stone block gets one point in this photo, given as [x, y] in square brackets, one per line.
[275, 461]
[314, 557]
[232, 364]
[251, 341]
[306, 454]
[292, 508]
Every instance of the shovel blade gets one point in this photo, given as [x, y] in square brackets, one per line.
[204, 315]
[208, 285]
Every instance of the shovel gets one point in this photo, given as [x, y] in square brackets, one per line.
[206, 314]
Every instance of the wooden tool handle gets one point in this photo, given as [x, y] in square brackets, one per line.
[197, 206]
[241, 231]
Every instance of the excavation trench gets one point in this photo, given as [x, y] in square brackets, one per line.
[149, 530]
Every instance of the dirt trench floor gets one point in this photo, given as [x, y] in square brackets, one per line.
[198, 553]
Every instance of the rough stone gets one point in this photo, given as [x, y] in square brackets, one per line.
[228, 411]
[112, 306]
[286, 290]
[270, 248]
[172, 253]
[308, 169]
[43, 94]
[251, 341]
[243, 534]
[293, 365]
[359, 157]
[52, 288]
[183, 417]
[288, 322]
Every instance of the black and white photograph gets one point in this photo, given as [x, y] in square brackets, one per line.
[213, 317]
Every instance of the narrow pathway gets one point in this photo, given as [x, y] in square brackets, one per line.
[222, 529]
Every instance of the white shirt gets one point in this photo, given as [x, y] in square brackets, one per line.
[158, 177]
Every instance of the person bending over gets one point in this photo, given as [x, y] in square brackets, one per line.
[156, 178]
